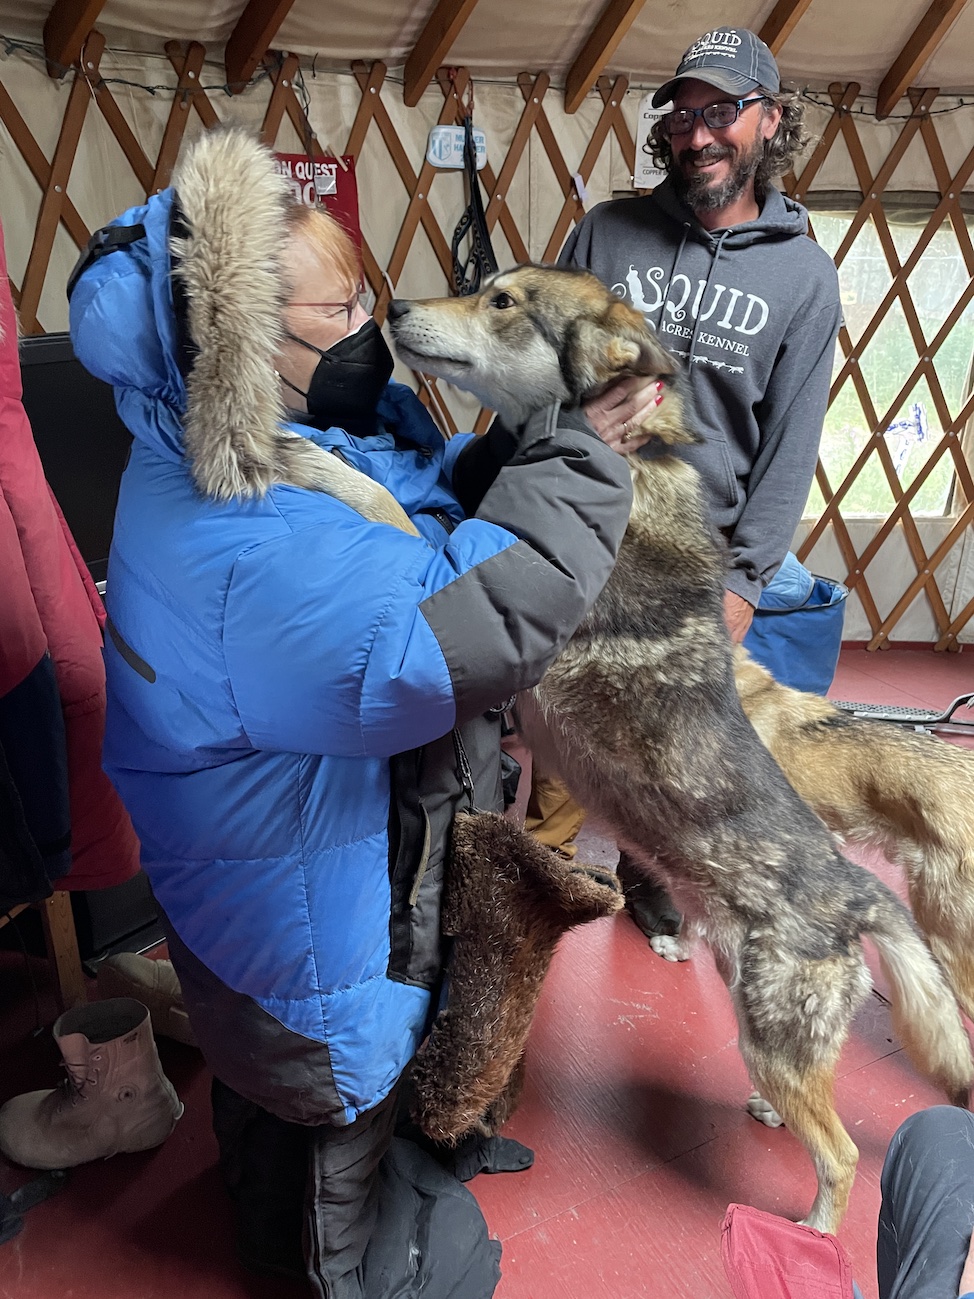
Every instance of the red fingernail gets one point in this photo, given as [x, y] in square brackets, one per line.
[659, 385]
[659, 399]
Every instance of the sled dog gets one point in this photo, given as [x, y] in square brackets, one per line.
[910, 795]
[641, 717]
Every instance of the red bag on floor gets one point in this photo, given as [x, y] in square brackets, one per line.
[767, 1257]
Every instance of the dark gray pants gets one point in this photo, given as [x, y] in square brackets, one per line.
[362, 1213]
[927, 1213]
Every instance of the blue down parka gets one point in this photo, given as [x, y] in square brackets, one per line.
[293, 688]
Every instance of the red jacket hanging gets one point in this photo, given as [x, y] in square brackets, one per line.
[50, 652]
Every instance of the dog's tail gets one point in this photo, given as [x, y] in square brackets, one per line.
[957, 959]
[925, 1015]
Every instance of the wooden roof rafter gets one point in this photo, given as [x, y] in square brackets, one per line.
[66, 29]
[54, 196]
[781, 22]
[602, 42]
[252, 37]
[615, 21]
[916, 53]
[434, 43]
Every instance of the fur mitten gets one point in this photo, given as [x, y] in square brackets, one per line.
[507, 901]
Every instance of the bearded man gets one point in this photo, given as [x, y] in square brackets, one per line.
[720, 263]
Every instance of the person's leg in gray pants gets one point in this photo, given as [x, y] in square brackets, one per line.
[927, 1213]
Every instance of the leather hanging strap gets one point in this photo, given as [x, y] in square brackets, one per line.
[480, 262]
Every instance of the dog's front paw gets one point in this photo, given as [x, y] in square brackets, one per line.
[763, 1111]
[672, 947]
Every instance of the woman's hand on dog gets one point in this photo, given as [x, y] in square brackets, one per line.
[617, 415]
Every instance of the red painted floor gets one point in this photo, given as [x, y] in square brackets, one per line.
[634, 1106]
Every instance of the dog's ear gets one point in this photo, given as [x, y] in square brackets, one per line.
[619, 344]
[614, 345]
[634, 348]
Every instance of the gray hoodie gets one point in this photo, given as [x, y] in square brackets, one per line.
[753, 311]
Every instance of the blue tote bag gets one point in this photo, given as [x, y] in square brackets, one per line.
[797, 628]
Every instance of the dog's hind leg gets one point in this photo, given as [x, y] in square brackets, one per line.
[757, 1106]
[793, 1015]
[804, 1101]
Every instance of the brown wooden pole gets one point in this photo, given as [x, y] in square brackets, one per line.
[52, 203]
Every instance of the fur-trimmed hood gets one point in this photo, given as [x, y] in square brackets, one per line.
[184, 322]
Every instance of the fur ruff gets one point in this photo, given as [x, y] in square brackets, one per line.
[231, 269]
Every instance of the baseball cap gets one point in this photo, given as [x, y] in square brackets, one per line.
[731, 58]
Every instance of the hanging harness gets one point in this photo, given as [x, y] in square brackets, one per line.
[480, 261]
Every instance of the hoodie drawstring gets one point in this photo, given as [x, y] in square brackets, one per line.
[710, 275]
[675, 264]
[703, 296]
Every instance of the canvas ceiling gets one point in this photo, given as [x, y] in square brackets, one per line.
[833, 41]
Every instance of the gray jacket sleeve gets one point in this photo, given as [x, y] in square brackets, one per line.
[479, 464]
[791, 418]
[566, 496]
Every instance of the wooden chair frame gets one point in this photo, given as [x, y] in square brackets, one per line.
[61, 942]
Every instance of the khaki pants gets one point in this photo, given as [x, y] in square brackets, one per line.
[553, 816]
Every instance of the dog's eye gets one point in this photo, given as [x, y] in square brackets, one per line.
[502, 300]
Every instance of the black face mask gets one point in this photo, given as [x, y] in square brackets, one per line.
[348, 380]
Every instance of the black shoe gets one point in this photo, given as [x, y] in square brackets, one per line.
[649, 904]
[16, 1204]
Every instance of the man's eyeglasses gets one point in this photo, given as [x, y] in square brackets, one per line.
[718, 117]
[336, 311]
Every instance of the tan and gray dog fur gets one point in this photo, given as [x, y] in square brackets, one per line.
[641, 715]
[910, 795]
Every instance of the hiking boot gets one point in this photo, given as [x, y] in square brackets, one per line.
[115, 1097]
[156, 985]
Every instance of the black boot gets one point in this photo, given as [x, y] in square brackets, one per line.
[649, 904]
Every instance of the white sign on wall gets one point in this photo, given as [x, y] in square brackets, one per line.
[444, 148]
[646, 175]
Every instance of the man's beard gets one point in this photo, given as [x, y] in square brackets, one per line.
[699, 193]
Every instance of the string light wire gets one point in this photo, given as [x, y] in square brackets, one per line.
[35, 52]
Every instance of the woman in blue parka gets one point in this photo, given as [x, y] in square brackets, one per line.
[298, 690]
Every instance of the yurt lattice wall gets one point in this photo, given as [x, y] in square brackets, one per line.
[892, 510]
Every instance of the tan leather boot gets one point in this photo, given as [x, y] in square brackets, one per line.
[155, 984]
[115, 1096]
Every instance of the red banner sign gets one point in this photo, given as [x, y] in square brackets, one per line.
[325, 181]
